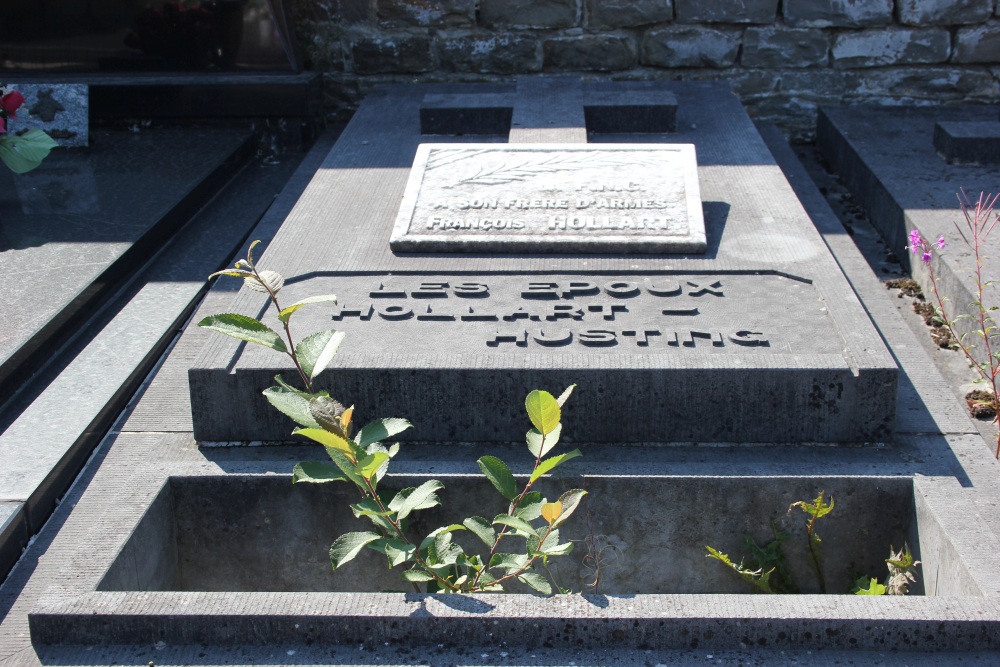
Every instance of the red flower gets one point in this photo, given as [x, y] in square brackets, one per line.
[3, 125]
[11, 102]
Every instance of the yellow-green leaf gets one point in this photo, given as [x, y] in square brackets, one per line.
[543, 411]
[551, 511]
[550, 463]
[327, 439]
[369, 464]
[286, 313]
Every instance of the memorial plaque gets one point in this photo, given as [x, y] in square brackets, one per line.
[544, 198]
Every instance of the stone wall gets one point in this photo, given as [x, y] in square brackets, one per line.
[782, 57]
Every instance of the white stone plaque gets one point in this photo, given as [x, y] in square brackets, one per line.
[552, 198]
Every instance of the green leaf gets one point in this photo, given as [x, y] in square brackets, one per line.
[253, 245]
[235, 273]
[328, 440]
[315, 352]
[417, 575]
[433, 535]
[274, 280]
[865, 587]
[482, 529]
[539, 444]
[286, 313]
[757, 578]
[570, 500]
[244, 328]
[380, 429]
[535, 546]
[443, 551]
[370, 463]
[509, 562]
[557, 550]
[817, 508]
[346, 466]
[530, 507]
[550, 463]
[315, 472]
[396, 550]
[499, 475]
[543, 411]
[24, 152]
[536, 581]
[291, 403]
[420, 498]
[520, 526]
[377, 448]
[348, 545]
[368, 507]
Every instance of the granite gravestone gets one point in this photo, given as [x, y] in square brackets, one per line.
[754, 336]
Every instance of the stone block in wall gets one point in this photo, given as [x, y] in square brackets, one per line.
[391, 53]
[726, 11]
[943, 12]
[595, 53]
[347, 11]
[490, 53]
[785, 47]
[529, 13]
[628, 13]
[690, 46]
[978, 44]
[837, 13]
[936, 85]
[436, 13]
[891, 46]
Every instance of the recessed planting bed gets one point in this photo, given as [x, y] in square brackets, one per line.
[632, 535]
[243, 558]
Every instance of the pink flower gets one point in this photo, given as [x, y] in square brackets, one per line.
[916, 243]
[11, 102]
[926, 257]
[941, 244]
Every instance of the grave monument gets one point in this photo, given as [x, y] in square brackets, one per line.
[672, 275]
[750, 334]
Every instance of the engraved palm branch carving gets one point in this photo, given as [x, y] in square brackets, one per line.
[531, 165]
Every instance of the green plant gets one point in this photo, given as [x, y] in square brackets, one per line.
[437, 559]
[816, 510]
[902, 573]
[765, 569]
[363, 460]
[980, 219]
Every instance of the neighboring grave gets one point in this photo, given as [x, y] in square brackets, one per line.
[965, 141]
[610, 198]
[756, 336]
[890, 160]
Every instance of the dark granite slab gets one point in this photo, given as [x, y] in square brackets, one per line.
[81, 222]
